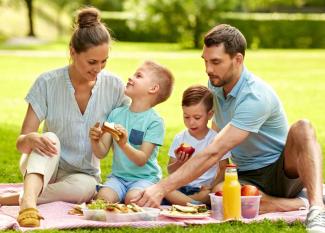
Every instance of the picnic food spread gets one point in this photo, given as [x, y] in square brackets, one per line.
[188, 211]
[114, 207]
[110, 128]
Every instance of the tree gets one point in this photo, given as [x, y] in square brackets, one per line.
[29, 4]
[183, 21]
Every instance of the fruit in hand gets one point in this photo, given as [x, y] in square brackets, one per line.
[187, 149]
[249, 190]
[218, 193]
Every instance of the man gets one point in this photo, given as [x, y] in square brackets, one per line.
[253, 126]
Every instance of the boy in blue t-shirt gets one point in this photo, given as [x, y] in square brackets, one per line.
[135, 164]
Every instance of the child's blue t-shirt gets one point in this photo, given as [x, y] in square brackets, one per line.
[142, 127]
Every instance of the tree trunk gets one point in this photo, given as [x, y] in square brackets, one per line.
[29, 4]
[197, 32]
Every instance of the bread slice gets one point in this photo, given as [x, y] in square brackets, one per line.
[110, 128]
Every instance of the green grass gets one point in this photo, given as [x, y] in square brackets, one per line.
[298, 76]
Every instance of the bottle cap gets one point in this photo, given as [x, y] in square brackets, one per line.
[231, 165]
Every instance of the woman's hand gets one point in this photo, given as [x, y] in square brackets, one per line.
[95, 132]
[41, 144]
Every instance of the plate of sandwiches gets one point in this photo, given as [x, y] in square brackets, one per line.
[101, 210]
[188, 211]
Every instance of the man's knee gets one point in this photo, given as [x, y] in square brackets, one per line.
[302, 131]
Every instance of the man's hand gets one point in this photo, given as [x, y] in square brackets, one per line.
[150, 197]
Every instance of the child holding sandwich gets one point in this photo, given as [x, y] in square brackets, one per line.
[197, 105]
[139, 131]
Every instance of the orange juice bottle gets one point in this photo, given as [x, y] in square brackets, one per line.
[231, 194]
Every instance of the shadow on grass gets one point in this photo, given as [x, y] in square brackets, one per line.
[9, 156]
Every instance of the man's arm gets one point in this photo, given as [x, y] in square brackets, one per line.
[228, 138]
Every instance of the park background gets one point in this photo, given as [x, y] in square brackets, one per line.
[286, 41]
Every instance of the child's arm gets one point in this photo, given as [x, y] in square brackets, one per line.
[139, 157]
[100, 142]
[175, 163]
[178, 198]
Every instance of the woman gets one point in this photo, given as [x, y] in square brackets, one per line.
[58, 165]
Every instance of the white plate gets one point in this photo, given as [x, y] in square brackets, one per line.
[170, 214]
[149, 214]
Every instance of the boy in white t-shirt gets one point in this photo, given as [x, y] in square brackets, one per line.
[197, 104]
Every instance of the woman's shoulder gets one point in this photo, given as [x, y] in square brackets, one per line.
[110, 79]
[119, 110]
[53, 74]
[51, 78]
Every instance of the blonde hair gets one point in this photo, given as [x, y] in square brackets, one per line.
[164, 79]
[89, 31]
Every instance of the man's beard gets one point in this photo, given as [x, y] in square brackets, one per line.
[227, 78]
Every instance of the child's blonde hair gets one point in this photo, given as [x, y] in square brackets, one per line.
[164, 79]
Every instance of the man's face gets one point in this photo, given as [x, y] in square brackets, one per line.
[219, 66]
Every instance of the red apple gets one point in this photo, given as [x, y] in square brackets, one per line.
[218, 193]
[187, 149]
[249, 190]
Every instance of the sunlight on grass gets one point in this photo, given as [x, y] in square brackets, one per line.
[298, 76]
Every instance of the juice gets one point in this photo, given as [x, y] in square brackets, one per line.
[231, 194]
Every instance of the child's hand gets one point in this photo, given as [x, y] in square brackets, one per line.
[95, 132]
[181, 157]
[124, 137]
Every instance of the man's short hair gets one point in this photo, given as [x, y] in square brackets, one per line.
[232, 39]
[196, 94]
[164, 79]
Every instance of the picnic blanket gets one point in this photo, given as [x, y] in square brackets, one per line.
[57, 217]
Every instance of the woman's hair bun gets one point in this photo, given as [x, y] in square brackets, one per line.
[88, 17]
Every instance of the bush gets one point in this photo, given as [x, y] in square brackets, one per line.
[265, 33]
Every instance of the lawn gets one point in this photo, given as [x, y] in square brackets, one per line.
[298, 76]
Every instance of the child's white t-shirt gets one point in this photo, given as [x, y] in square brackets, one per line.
[199, 145]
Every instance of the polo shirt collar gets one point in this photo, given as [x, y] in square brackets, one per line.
[235, 90]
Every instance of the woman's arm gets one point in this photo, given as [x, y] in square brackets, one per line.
[29, 139]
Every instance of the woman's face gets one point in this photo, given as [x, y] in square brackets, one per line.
[89, 63]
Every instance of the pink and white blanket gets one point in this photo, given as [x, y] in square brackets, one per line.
[57, 217]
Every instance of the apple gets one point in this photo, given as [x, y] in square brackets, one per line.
[249, 190]
[187, 149]
[218, 193]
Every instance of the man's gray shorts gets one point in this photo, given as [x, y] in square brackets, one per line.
[272, 180]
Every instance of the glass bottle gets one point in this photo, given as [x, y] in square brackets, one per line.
[231, 194]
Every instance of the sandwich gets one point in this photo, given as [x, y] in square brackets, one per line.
[189, 208]
[110, 128]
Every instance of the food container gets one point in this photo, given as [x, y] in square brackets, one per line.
[149, 214]
[216, 206]
[250, 206]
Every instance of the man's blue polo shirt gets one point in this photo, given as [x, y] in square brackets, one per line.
[252, 106]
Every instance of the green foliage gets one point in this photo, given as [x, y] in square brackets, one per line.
[182, 21]
[281, 33]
